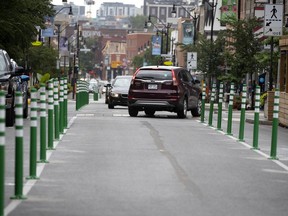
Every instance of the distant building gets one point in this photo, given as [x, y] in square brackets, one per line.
[117, 9]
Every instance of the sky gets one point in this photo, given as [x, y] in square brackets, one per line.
[137, 3]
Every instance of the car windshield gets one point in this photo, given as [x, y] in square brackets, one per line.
[122, 82]
[154, 74]
[2, 64]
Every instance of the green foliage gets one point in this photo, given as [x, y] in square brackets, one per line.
[137, 22]
[263, 98]
[44, 78]
[18, 19]
[42, 58]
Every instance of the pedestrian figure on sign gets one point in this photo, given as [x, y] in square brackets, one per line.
[274, 11]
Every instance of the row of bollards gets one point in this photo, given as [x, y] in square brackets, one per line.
[273, 151]
[57, 123]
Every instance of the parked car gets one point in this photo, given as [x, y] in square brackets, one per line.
[118, 92]
[93, 85]
[12, 79]
[164, 88]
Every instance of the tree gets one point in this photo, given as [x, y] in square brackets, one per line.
[137, 22]
[18, 21]
[243, 46]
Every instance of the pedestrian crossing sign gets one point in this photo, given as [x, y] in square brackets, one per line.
[273, 20]
[191, 60]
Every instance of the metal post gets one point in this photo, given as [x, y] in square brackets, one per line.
[2, 152]
[203, 103]
[212, 99]
[256, 118]
[230, 110]
[33, 135]
[43, 124]
[50, 115]
[242, 116]
[18, 147]
[273, 152]
[219, 119]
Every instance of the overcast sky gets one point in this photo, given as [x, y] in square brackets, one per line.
[137, 3]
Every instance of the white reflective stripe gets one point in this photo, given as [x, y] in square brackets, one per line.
[276, 100]
[50, 100]
[2, 113]
[50, 106]
[220, 100]
[34, 104]
[257, 103]
[19, 121]
[42, 114]
[2, 140]
[277, 93]
[2, 127]
[33, 114]
[50, 92]
[65, 97]
[275, 115]
[33, 123]
[56, 103]
[61, 99]
[276, 108]
[19, 110]
[257, 97]
[244, 89]
[244, 94]
[2, 100]
[243, 100]
[19, 100]
[257, 109]
[231, 97]
[34, 95]
[243, 106]
[230, 102]
[19, 132]
[42, 105]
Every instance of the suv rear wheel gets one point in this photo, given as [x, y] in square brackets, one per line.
[182, 111]
[132, 111]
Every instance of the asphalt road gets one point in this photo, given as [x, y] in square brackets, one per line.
[108, 163]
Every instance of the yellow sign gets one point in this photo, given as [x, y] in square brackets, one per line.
[115, 64]
[168, 63]
[36, 43]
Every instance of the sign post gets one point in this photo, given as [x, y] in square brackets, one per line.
[273, 23]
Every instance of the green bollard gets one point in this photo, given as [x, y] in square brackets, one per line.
[219, 118]
[256, 119]
[77, 95]
[65, 104]
[242, 116]
[61, 107]
[33, 135]
[230, 110]
[2, 152]
[203, 103]
[50, 115]
[273, 152]
[56, 110]
[19, 147]
[42, 124]
[212, 105]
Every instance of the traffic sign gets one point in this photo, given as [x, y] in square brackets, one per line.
[191, 60]
[273, 20]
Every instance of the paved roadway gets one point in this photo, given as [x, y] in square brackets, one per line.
[110, 164]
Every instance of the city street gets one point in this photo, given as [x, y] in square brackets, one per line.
[110, 164]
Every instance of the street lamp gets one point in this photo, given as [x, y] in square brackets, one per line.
[194, 17]
[167, 26]
[70, 10]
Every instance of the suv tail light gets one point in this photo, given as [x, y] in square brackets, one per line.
[175, 82]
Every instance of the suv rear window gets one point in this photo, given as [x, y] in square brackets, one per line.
[154, 74]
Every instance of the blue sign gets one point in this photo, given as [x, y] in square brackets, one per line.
[156, 45]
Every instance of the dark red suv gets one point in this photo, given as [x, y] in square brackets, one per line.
[164, 88]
